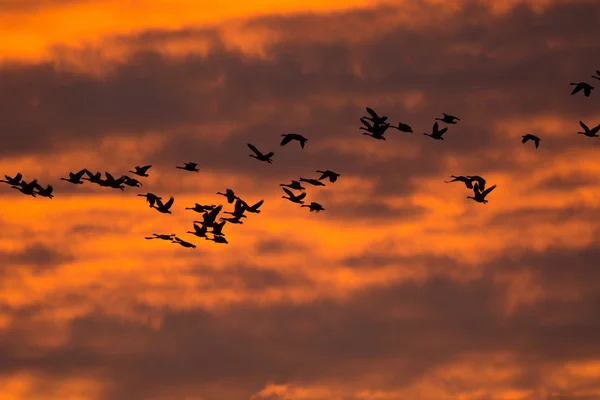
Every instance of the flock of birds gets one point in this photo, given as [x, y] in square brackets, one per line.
[375, 126]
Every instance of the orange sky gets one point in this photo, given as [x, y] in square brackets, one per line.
[401, 289]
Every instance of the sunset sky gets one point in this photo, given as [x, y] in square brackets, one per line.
[402, 289]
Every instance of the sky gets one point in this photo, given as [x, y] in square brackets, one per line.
[402, 289]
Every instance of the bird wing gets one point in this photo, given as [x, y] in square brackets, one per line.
[584, 126]
[435, 127]
[257, 205]
[289, 193]
[239, 206]
[366, 123]
[255, 150]
[109, 176]
[169, 203]
[144, 168]
[441, 132]
[286, 140]
[372, 113]
[269, 155]
[301, 196]
[80, 173]
[487, 191]
[577, 89]
[17, 177]
[525, 138]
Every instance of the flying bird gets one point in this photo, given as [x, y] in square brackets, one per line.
[199, 230]
[463, 179]
[579, 86]
[13, 181]
[151, 198]
[294, 185]
[189, 166]
[217, 228]
[314, 207]
[376, 119]
[480, 181]
[260, 156]
[313, 182]
[480, 195]
[288, 137]
[529, 136]
[26, 188]
[402, 127]
[327, 174]
[131, 181]
[589, 132]
[238, 211]
[111, 182]
[255, 208]
[93, 178]
[231, 197]
[164, 208]
[293, 198]
[232, 220]
[161, 236]
[217, 239]
[200, 208]
[436, 133]
[44, 192]
[376, 131]
[141, 171]
[183, 243]
[75, 178]
[448, 119]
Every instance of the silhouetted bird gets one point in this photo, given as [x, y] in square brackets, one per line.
[255, 208]
[131, 181]
[111, 182]
[208, 218]
[586, 87]
[231, 197]
[589, 132]
[218, 239]
[478, 179]
[232, 220]
[13, 181]
[141, 171]
[184, 243]
[293, 198]
[238, 210]
[376, 131]
[463, 179]
[164, 208]
[597, 76]
[436, 133]
[47, 192]
[448, 119]
[327, 174]
[161, 236]
[402, 127]
[376, 119]
[313, 182]
[199, 231]
[480, 195]
[200, 208]
[294, 185]
[260, 156]
[288, 137]
[217, 228]
[314, 207]
[26, 188]
[529, 136]
[93, 178]
[75, 178]
[151, 198]
[189, 166]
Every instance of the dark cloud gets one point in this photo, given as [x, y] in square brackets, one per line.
[39, 257]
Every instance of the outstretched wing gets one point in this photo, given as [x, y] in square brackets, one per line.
[255, 150]
[366, 123]
[257, 205]
[372, 113]
[584, 126]
[80, 173]
[144, 168]
[525, 138]
[301, 196]
[288, 192]
[577, 89]
[441, 131]
[169, 203]
[487, 191]
[286, 140]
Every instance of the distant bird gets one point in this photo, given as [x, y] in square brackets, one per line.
[131, 181]
[402, 127]
[313, 182]
[239, 209]
[597, 76]
[288, 137]
[189, 166]
[255, 208]
[448, 119]
[218, 239]
[260, 156]
[480, 195]
[93, 178]
[327, 174]
[314, 207]
[376, 131]
[293, 198]
[26, 188]
[231, 197]
[589, 132]
[294, 185]
[586, 87]
[232, 220]
[376, 119]
[164, 208]
[208, 218]
[436, 133]
[111, 182]
[75, 178]
[200, 208]
[463, 179]
[13, 181]
[47, 192]
[183, 243]
[161, 236]
[199, 231]
[141, 171]
[217, 228]
[529, 136]
[151, 198]
[480, 181]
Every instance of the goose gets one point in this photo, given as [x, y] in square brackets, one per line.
[529, 136]
[376, 119]
[217, 228]
[232, 220]
[93, 178]
[131, 181]
[478, 179]
[183, 243]
[579, 86]
[589, 132]
[294, 185]
[327, 174]
[229, 194]
[314, 207]
[255, 208]
[288, 137]
[314, 182]
[200, 208]
[293, 198]
[75, 178]
[13, 181]
[151, 198]
[47, 192]
[199, 230]
[164, 208]
[111, 182]
[260, 156]
[436, 133]
[26, 188]
[161, 236]
[218, 239]
[208, 218]
[189, 166]
[374, 130]
[463, 179]
[141, 171]
[402, 127]
[239, 209]
[480, 195]
[597, 76]
[448, 119]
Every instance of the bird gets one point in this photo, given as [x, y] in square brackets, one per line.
[294, 185]
[26, 188]
[463, 179]
[164, 208]
[478, 179]
[111, 182]
[597, 76]
[161, 236]
[293, 198]
[529, 136]
[288, 137]
[94, 178]
[448, 119]
[238, 211]
[189, 166]
[199, 230]
[260, 156]
[75, 178]
[231, 197]
[232, 220]
[200, 208]
[217, 239]
[151, 198]
[13, 181]
[183, 243]
[217, 228]
[47, 192]
[436, 132]
[480, 195]
[131, 181]
[208, 218]
[141, 171]
[376, 131]
[328, 174]
[314, 182]
[589, 132]
[586, 87]
[402, 127]
[255, 208]
[314, 207]
[376, 119]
